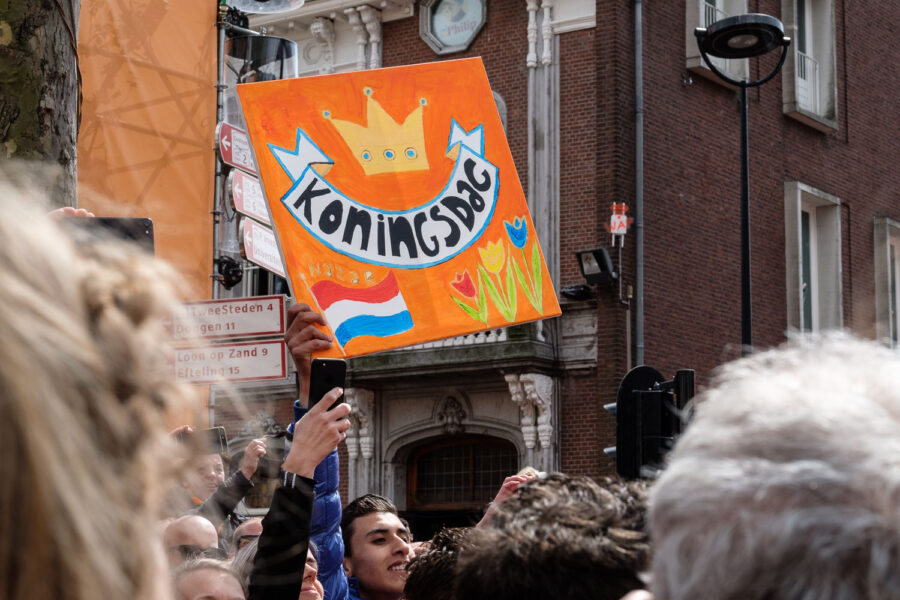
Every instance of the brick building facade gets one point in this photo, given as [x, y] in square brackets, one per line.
[825, 222]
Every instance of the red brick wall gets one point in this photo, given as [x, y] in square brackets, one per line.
[691, 183]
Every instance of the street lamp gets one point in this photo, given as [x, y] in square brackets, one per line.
[743, 36]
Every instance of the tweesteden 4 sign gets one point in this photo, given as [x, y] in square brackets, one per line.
[396, 203]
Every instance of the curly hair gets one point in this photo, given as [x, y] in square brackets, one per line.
[433, 570]
[87, 385]
[559, 537]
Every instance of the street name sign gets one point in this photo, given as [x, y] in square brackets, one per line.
[256, 316]
[243, 361]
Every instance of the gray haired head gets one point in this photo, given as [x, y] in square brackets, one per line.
[786, 485]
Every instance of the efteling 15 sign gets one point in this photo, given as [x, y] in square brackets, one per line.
[397, 205]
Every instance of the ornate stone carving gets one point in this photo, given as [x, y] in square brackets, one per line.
[539, 391]
[361, 403]
[372, 20]
[533, 393]
[360, 439]
[451, 415]
[362, 36]
[531, 59]
[322, 30]
[517, 393]
[547, 31]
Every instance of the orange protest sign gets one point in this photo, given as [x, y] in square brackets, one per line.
[396, 203]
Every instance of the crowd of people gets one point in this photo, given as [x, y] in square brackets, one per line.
[784, 485]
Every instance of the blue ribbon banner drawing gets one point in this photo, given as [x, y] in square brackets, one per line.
[420, 237]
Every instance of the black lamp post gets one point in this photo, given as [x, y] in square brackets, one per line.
[743, 36]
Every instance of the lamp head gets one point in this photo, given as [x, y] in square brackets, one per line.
[596, 266]
[742, 36]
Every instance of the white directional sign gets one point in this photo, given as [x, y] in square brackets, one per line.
[246, 361]
[255, 316]
[247, 196]
[258, 245]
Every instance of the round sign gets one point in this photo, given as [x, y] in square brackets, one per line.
[456, 22]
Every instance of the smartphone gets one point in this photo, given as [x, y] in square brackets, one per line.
[138, 230]
[206, 441]
[325, 375]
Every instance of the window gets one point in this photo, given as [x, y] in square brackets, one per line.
[887, 279]
[462, 473]
[703, 13]
[812, 222]
[809, 75]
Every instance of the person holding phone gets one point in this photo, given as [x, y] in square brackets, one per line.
[366, 560]
[209, 494]
[284, 568]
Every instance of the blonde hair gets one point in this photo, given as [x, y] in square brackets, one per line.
[87, 383]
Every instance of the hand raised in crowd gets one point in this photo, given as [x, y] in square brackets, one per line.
[317, 434]
[303, 338]
[68, 211]
[255, 450]
[510, 484]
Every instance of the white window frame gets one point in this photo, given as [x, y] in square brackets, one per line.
[816, 106]
[695, 11]
[887, 281]
[825, 264]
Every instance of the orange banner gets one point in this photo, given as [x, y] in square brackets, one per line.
[145, 143]
[397, 205]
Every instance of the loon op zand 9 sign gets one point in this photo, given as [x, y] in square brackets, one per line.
[397, 205]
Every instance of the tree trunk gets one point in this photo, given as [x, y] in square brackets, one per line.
[39, 88]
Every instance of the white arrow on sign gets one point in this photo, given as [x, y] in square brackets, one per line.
[259, 246]
[226, 142]
[247, 196]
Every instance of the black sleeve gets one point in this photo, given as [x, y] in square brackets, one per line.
[221, 504]
[281, 556]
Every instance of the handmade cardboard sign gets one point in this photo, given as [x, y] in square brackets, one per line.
[396, 202]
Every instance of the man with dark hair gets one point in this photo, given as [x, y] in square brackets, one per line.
[376, 548]
[433, 571]
[559, 537]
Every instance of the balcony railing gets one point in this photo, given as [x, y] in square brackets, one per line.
[482, 337]
[807, 82]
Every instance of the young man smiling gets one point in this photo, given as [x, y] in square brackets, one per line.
[363, 550]
[376, 548]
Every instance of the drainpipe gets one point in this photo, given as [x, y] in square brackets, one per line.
[638, 184]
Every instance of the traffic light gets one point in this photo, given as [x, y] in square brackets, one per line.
[649, 415]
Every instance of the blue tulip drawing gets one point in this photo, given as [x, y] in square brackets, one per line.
[531, 283]
[518, 232]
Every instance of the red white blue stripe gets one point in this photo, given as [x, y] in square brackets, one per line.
[378, 311]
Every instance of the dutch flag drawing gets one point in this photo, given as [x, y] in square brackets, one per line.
[378, 310]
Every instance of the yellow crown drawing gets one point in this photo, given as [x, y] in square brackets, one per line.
[383, 145]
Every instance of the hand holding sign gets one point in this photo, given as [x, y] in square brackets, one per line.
[303, 337]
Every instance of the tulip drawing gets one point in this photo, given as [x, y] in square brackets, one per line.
[530, 276]
[465, 286]
[517, 232]
[494, 256]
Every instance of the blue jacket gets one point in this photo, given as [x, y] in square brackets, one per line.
[325, 529]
